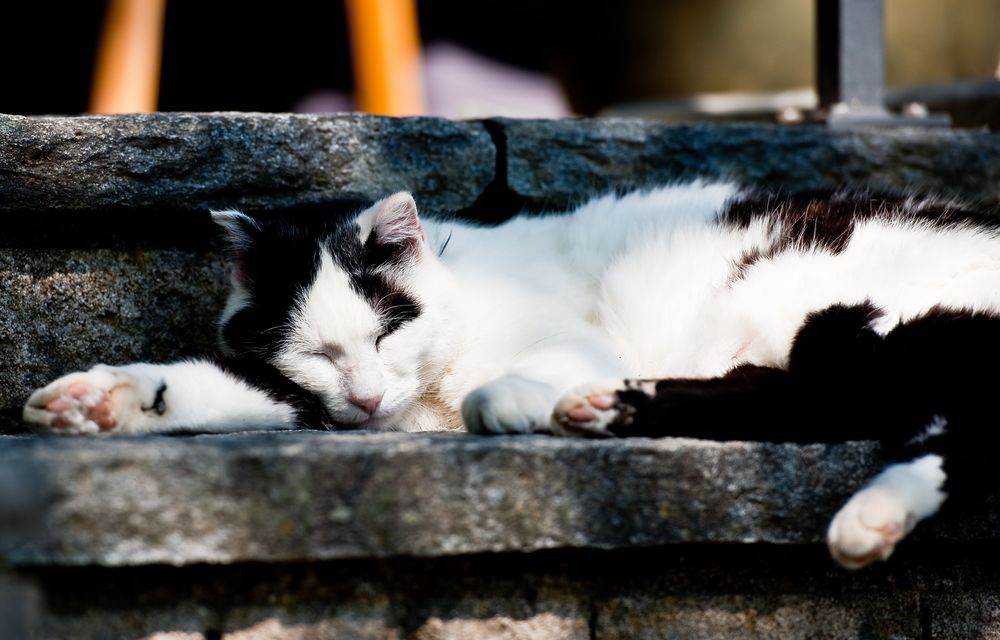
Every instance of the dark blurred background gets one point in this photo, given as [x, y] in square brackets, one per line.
[229, 55]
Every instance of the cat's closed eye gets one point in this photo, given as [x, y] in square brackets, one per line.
[330, 352]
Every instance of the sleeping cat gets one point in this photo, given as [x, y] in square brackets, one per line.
[690, 310]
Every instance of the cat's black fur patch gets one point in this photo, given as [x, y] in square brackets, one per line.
[826, 219]
[159, 406]
[364, 263]
[276, 263]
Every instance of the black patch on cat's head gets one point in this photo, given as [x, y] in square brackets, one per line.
[365, 264]
[276, 255]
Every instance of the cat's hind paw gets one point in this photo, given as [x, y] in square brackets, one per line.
[94, 401]
[590, 409]
[868, 527]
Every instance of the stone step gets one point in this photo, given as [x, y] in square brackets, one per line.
[325, 496]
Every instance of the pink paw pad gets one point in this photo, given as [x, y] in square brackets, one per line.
[602, 401]
[80, 398]
[581, 414]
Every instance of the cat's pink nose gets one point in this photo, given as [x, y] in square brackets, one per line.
[367, 404]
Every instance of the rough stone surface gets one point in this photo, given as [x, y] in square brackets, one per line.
[556, 163]
[178, 621]
[68, 309]
[19, 607]
[283, 496]
[966, 615]
[766, 615]
[182, 161]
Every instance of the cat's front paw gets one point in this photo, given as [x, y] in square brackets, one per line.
[868, 527]
[511, 404]
[97, 401]
[589, 409]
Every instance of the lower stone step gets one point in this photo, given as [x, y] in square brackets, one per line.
[684, 592]
[285, 496]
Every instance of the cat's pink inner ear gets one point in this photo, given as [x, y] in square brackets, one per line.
[238, 274]
[396, 220]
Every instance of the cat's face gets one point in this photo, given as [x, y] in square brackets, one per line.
[351, 309]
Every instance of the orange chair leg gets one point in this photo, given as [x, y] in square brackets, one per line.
[127, 74]
[385, 47]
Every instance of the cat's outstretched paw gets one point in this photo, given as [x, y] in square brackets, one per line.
[868, 527]
[510, 404]
[589, 409]
[95, 401]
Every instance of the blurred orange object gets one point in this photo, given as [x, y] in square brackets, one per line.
[127, 74]
[385, 48]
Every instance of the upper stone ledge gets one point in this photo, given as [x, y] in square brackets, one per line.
[314, 495]
[189, 161]
[555, 163]
[195, 161]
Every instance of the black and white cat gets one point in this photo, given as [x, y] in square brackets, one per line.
[691, 310]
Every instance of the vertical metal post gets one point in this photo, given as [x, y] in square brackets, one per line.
[850, 67]
[850, 53]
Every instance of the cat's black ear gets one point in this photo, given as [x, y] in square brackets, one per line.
[240, 229]
[396, 221]
[240, 232]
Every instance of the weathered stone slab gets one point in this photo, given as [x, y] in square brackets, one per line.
[182, 161]
[973, 614]
[556, 163]
[67, 309]
[281, 496]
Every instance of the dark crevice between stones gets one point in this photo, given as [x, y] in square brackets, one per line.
[109, 229]
[925, 618]
[11, 423]
[213, 634]
[592, 620]
[497, 202]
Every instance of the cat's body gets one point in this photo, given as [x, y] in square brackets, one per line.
[751, 308]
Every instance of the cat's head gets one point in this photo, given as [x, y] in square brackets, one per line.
[352, 309]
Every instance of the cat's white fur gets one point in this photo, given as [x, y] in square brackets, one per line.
[878, 516]
[514, 317]
[195, 392]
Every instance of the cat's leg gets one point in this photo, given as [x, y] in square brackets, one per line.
[938, 374]
[143, 398]
[513, 403]
[748, 403]
[821, 396]
[868, 527]
[521, 401]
